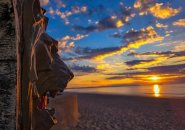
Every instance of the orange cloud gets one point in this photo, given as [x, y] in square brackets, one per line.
[119, 23]
[151, 63]
[161, 11]
[159, 25]
[180, 22]
[67, 42]
[158, 10]
[143, 36]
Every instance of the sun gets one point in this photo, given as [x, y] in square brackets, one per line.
[155, 78]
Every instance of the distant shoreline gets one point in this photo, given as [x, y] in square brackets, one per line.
[127, 96]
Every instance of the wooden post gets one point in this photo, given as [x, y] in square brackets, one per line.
[18, 25]
[23, 23]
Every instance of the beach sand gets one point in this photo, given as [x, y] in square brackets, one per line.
[114, 112]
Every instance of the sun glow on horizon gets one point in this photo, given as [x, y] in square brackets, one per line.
[155, 78]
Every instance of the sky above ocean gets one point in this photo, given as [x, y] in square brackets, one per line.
[120, 42]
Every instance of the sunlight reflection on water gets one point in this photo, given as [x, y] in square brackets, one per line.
[156, 90]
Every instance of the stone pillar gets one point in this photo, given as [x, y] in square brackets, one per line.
[7, 66]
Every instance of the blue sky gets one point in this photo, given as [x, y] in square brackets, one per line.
[119, 42]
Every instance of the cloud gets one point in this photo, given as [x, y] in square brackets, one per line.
[92, 52]
[117, 20]
[180, 47]
[159, 25]
[89, 53]
[63, 46]
[85, 29]
[143, 34]
[180, 22]
[103, 66]
[103, 24]
[168, 57]
[168, 71]
[136, 62]
[143, 5]
[158, 10]
[146, 63]
[135, 39]
[84, 69]
[67, 43]
[117, 77]
[44, 2]
[77, 37]
[163, 11]
[60, 3]
[64, 15]
[117, 35]
[170, 54]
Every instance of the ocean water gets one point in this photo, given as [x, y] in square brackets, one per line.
[155, 90]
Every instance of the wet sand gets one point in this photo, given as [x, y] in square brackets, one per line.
[114, 112]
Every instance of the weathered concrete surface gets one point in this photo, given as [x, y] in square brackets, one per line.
[7, 66]
[66, 111]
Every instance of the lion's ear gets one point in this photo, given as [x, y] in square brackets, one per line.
[37, 11]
